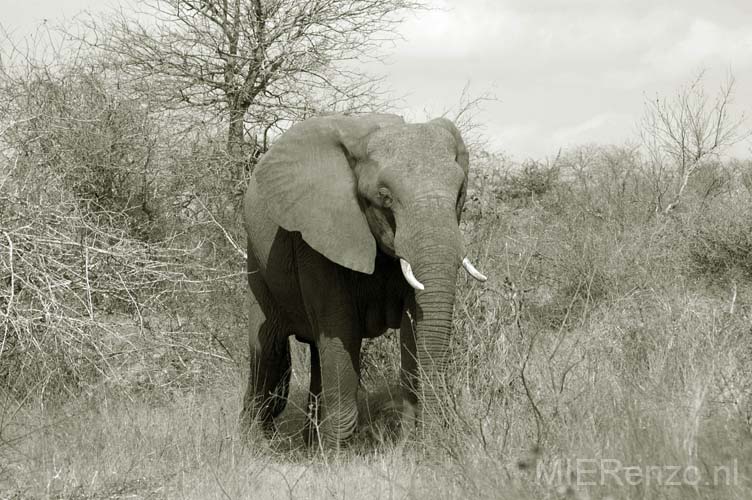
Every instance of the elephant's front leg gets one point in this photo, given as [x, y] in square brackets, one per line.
[340, 373]
[330, 306]
[410, 379]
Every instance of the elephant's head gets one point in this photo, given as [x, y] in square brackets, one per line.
[351, 185]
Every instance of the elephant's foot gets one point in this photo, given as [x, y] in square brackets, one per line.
[320, 433]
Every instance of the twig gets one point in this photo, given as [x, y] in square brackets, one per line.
[11, 294]
[88, 285]
[12, 276]
[538, 415]
[224, 231]
[134, 302]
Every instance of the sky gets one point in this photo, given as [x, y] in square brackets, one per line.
[563, 72]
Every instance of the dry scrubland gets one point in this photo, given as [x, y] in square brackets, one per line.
[608, 331]
[605, 332]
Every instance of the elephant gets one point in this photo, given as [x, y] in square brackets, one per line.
[352, 228]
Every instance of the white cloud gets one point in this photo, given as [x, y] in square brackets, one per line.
[460, 31]
[703, 43]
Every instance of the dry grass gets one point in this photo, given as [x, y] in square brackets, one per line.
[188, 448]
[654, 377]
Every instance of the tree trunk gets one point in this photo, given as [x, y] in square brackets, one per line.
[235, 144]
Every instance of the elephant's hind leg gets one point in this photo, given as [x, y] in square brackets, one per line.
[268, 377]
[270, 364]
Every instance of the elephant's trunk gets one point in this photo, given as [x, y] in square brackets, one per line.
[435, 252]
[433, 328]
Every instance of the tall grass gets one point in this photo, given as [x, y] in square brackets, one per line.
[618, 339]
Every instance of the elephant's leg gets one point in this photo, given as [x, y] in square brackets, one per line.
[268, 377]
[329, 300]
[270, 364]
[410, 376]
[340, 378]
[314, 398]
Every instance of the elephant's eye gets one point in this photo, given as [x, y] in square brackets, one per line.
[385, 197]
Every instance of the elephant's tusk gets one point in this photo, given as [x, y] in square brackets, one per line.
[407, 272]
[472, 271]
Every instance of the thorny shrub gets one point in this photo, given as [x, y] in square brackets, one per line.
[101, 279]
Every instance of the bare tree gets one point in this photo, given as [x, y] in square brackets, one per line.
[263, 61]
[681, 133]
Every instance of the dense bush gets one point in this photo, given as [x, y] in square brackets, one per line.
[530, 181]
[719, 238]
[606, 183]
[100, 145]
[73, 279]
[96, 261]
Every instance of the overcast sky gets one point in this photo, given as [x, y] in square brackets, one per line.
[565, 72]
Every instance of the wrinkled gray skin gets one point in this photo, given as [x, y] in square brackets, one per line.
[329, 211]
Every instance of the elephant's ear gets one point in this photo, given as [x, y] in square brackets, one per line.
[307, 182]
[462, 156]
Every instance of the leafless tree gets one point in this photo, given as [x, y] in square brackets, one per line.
[265, 62]
[682, 132]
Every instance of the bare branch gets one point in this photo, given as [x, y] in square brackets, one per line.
[246, 60]
[682, 133]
